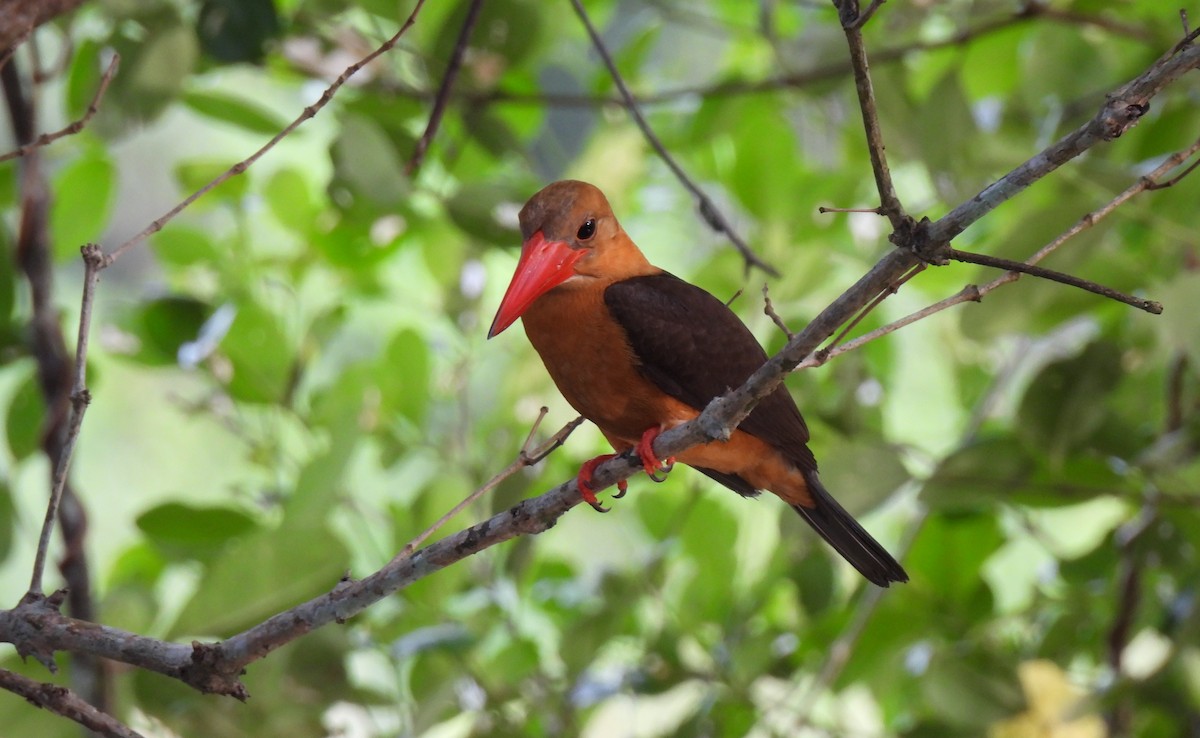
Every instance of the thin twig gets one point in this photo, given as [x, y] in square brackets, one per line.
[1176, 373]
[888, 199]
[525, 458]
[1174, 180]
[708, 210]
[891, 290]
[246, 163]
[93, 262]
[34, 255]
[1150, 306]
[825, 209]
[1129, 595]
[443, 93]
[865, 15]
[1121, 111]
[92, 108]
[769, 309]
[62, 701]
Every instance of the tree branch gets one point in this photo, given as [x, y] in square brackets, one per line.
[708, 209]
[63, 701]
[39, 629]
[852, 23]
[246, 163]
[443, 93]
[34, 256]
[1149, 306]
[1121, 111]
[974, 293]
[75, 127]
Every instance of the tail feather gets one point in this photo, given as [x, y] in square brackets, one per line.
[847, 537]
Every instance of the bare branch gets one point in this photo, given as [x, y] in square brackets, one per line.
[866, 15]
[92, 108]
[443, 93]
[1121, 111]
[852, 25]
[1149, 306]
[34, 256]
[93, 260]
[1129, 596]
[769, 309]
[246, 163]
[527, 457]
[973, 293]
[708, 209]
[63, 701]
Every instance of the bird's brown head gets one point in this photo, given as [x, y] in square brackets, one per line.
[569, 232]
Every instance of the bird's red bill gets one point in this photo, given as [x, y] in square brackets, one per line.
[543, 265]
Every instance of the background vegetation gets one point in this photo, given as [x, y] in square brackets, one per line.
[291, 381]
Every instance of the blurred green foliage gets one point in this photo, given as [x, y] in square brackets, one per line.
[291, 379]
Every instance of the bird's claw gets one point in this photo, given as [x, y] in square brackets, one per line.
[655, 469]
[584, 481]
[659, 474]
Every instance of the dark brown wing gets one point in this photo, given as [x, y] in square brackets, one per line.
[691, 346]
[694, 348]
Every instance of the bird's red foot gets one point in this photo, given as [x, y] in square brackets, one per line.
[584, 480]
[645, 451]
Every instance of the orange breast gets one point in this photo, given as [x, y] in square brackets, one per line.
[588, 357]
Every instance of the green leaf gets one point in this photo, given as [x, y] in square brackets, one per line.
[474, 209]
[1062, 407]
[8, 519]
[290, 198]
[862, 472]
[236, 30]
[153, 67]
[83, 199]
[970, 692]
[234, 110]
[261, 354]
[183, 246]
[1177, 325]
[26, 414]
[983, 472]
[163, 325]
[365, 159]
[259, 575]
[709, 542]
[188, 531]
[404, 374]
[83, 78]
[949, 553]
[815, 583]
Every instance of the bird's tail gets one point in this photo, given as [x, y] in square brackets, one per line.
[847, 537]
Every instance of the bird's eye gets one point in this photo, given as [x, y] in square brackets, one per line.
[587, 230]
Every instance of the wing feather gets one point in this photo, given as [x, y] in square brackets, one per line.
[694, 348]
